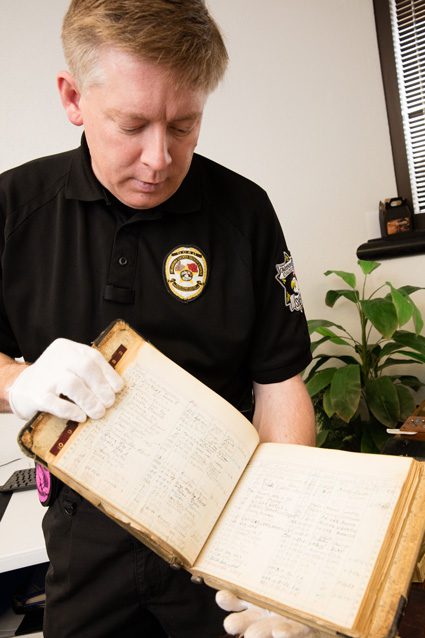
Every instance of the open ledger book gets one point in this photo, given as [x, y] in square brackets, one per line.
[329, 538]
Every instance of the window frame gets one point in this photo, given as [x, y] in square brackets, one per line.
[409, 243]
[392, 100]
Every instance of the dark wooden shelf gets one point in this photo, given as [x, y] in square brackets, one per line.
[403, 244]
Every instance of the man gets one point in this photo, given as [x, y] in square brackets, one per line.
[95, 234]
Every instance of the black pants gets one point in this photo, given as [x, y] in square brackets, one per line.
[103, 583]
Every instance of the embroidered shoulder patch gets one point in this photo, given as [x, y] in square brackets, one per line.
[287, 279]
[185, 272]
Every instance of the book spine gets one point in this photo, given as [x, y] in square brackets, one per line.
[398, 614]
[104, 332]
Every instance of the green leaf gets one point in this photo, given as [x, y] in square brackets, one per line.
[395, 362]
[327, 405]
[333, 337]
[371, 356]
[333, 295]
[347, 359]
[407, 403]
[411, 340]
[348, 277]
[367, 444]
[403, 305]
[315, 344]
[345, 391]
[320, 381]
[417, 317]
[410, 289]
[389, 348]
[314, 324]
[321, 438]
[368, 266]
[383, 401]
[377, 433]
[410, 381]
[418, 322]
[413, 355]
[382, 315]
[318, 360]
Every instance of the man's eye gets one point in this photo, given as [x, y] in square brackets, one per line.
[130, 130]
[181, 131]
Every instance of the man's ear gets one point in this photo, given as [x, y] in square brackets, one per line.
[70, 97]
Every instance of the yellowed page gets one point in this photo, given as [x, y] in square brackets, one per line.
[168, 453]
[305, 528]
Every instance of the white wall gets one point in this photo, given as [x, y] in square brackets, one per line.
[301, 112]
[32, 123]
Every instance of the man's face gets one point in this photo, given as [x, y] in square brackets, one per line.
[141, 130]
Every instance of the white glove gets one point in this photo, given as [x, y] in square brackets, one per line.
[255, 622]
[72, 369]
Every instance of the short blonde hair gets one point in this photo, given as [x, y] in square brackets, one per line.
[180, 35]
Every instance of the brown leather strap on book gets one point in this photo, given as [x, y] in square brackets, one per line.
[71, 426]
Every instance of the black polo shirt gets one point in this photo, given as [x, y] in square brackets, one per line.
[206, 276]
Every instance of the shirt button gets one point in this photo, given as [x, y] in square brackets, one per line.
[69, 508]
[123, 261]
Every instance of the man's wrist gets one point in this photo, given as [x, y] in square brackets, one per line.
[9, 373]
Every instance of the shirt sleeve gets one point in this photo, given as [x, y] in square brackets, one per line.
[8, 344]
[281, 343]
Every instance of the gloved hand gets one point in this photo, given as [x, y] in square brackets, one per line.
[254, 622]
[72, 369]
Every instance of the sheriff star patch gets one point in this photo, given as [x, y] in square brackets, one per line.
[286, 277]
[185, 272]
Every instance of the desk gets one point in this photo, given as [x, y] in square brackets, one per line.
[21, 537]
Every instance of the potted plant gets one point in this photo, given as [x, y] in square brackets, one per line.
[356, 390]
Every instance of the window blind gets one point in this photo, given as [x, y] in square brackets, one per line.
[408, 30]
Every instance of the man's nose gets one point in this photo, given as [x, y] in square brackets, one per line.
[155, 152]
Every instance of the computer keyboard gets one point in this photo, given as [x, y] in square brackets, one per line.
[20, 480]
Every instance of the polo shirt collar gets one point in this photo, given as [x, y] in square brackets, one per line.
[83, 185]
